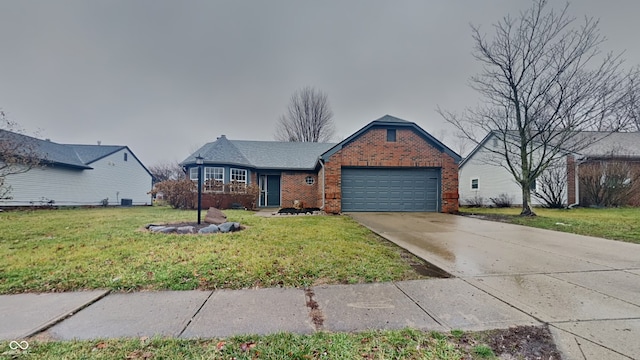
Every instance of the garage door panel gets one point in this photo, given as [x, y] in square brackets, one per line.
[390, 189]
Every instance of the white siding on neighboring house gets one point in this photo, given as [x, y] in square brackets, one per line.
[111, 178]
[492, 179]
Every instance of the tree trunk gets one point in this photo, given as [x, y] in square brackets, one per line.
[526, 201]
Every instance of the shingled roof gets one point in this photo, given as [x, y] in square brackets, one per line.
[49, 152]
[275, 155]
[605, 144]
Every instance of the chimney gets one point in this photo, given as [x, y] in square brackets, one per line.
[99, 142]
[222, 137]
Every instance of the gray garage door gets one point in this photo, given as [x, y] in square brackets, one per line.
[367, 189]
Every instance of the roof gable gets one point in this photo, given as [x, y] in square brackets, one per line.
[389, 121]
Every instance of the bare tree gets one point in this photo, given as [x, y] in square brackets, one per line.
[458, 142]
[18, 153]
[544, 80]
[308, 118]
[166, 171]
[552, 186]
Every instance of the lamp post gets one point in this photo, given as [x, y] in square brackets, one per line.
[199, 162]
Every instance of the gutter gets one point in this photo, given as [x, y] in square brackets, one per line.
[323, 181]
[577, 181]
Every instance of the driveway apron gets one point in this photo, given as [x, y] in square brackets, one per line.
[587, 289]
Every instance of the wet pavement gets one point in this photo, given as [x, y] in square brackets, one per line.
[432, 304]
[587, 289]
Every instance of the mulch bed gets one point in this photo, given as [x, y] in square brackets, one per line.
[520, 342]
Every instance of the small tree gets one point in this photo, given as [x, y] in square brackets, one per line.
[18, 153]
[308, 119]
[552, 186]
[177, 193]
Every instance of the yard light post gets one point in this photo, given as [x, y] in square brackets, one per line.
[199, 162]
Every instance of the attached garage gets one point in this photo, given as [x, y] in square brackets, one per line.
[390, 189]
[389, 165]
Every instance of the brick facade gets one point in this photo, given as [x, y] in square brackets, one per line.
[294, 187]
[571, 180]
[371, 149]
[632, 164]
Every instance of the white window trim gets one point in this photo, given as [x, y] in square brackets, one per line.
[246, 175]
[213, 173]
[477, 184]
[192, 176]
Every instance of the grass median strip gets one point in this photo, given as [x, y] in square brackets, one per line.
[75, 249]
[401, 344]
[525, 342]
[615, 223]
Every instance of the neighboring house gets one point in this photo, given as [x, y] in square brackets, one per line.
[482, 179]
[619, 148]
[388, 165]
[77, 175]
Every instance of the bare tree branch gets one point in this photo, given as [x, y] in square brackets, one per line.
[18, 153]
[308, 118]
[544, 81]
[166, 171]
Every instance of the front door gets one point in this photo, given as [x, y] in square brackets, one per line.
[269, 190]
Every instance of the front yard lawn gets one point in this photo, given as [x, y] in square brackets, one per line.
[108, 248]
[616, 223]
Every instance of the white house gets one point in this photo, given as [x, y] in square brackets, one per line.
[482, 178]
[76, 175]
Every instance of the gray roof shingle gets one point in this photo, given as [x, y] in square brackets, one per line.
[76, 156]
[261, 154]
[604, 144]
[91, 153]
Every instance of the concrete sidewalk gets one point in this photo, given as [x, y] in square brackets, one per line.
[587, 289]
[434, 304]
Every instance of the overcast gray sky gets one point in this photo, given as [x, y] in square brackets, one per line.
[165, 77]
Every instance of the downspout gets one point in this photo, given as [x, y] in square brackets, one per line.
[577, 182]
[323, 182]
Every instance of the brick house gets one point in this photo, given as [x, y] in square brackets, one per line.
[388, 165]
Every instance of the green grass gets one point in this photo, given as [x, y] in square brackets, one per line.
[401, 344]
[73, 249]
[484, 352]
[616, 223]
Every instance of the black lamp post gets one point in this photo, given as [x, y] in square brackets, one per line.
[199, 162]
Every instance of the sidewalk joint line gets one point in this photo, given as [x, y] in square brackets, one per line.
[433, 317]
[588, 340]
[194, 315]
[506, 302]
[67, 315]
[594, 290]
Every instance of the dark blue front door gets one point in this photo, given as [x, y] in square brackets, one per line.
[270, 190]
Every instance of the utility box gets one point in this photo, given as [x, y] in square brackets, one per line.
[126, 202]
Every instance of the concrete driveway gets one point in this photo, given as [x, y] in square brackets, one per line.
[587, 289]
